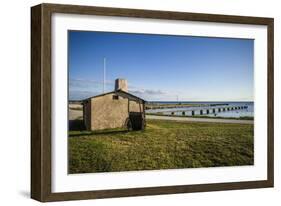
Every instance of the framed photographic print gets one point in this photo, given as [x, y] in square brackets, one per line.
[130, 102]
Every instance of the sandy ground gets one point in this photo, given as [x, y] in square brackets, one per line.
[75, 111]
[75, 106]
[188, 119]
[75, 114]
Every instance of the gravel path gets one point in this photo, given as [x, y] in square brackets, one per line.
[74, 114]
[192, 119]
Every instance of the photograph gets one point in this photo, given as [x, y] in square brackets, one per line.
[139, 101]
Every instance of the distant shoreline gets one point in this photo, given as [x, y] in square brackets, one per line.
[177, 102]
[197, 102]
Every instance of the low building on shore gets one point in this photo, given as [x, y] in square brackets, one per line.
[116, 109]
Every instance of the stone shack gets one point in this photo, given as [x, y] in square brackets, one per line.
[116, 109]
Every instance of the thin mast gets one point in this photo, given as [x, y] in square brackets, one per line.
[104, 73]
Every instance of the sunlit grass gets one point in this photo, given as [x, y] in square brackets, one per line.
[162, 145]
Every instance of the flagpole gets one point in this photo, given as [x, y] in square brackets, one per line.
[104, 73]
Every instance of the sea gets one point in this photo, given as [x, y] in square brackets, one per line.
[246, 111]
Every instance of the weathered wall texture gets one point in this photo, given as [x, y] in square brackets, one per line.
[107, 112]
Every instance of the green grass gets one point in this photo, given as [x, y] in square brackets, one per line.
[162, 145]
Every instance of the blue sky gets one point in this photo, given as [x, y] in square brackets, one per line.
[161, 67]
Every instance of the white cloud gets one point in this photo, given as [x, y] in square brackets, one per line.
[84, 88]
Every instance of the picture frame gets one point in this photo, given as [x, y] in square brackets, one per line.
[41, 101]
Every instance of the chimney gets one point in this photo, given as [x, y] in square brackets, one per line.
[121, 84]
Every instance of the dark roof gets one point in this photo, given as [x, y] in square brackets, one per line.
[120, 93]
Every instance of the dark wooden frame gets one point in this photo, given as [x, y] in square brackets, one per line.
[41, 101]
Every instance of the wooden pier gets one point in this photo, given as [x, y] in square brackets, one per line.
[205, 111]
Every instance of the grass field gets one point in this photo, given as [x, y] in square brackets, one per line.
[162, 145]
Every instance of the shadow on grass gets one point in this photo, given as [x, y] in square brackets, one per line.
[92, 133]
[77, 128]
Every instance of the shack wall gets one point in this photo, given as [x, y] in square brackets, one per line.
[108, 112]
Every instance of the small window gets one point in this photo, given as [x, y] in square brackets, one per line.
[115, 97]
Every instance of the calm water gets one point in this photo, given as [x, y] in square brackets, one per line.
[248, 112]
